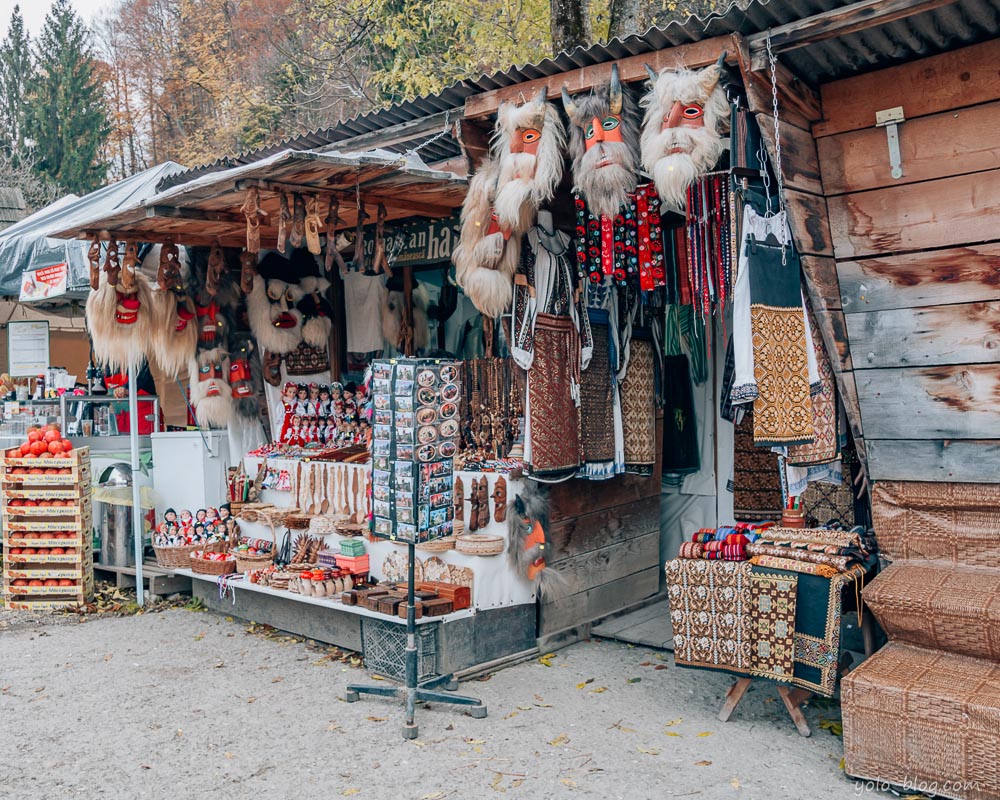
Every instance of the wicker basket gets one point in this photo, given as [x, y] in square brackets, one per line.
[915, 716]
[479, 544]
[246, 562]
[322, 525]
[438, 545]
[179, 557]
[939, 605]
[298, 520]
[251, 511]
[205, 567]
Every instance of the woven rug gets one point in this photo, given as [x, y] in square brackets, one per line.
[825, 446]
[782, 409]
[639, 409]
[756, 482]
[828, 502]
[597, 431]
[772, 607]
[554, 419]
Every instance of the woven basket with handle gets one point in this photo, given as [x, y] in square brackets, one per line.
[205, 567]
[179, 557]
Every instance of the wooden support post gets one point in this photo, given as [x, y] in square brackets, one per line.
[791, 699]
[408, 338]
[338, 331]
[733, 697]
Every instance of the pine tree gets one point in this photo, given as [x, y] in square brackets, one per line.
[67, 116]
[15, 68]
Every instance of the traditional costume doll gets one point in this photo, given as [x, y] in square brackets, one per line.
[169, 518]
[293, 436]
[225, 512]
[330, 431]
[199, 534]
[302, 400]
[324, 401]
[201, 515]
[337, 401]
[314, 399]
[284, 410]
[365, 431]
[186, 521]
[211, 514]
[350, 405]
[522, 172]
[686, 115]
[604, 145]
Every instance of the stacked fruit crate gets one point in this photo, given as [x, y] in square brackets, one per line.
[47, 522]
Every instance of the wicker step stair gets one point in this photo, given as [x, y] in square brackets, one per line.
[939, 605]
[914, 716]
[956, 522]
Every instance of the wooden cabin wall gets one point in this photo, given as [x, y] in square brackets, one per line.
[918, 260]
[606, 541]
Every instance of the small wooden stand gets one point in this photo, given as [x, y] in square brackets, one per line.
[792, 698]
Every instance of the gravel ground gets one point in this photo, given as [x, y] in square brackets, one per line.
[181, 704]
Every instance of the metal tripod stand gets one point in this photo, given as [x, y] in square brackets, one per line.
[411, 690]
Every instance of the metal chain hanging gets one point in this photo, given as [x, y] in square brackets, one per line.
[773, 63]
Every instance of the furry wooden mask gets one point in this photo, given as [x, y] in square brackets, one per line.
[120, 314]
[686, 115]
[529, 549]
[174, 334]
[275, 320]
[245, 379]
[317, 313]
[211, 395]
[604, 144]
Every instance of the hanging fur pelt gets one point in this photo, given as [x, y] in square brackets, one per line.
[528, 545]
[392, 317]
[221, 289]
[211, 395]
[317, 313]
[175, 331]
[121, 323]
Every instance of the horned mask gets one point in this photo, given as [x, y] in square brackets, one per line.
[275, 320]
[245, 379]
[686, 115]
[521, 174]
[604, 144]
[211, 395]
[175, 328]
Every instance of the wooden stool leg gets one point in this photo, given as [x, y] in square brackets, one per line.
[868, 632]
[792, 699]
[733, 697]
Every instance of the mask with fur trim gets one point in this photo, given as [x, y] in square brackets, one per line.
[274, 319]
[604, 144]
[121, 322]
[317, 313]
[211, 395]
[686, 114]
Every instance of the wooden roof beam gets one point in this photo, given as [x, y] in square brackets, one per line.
[837, 22]
[172, 212]
[630, 69]
[398, 203]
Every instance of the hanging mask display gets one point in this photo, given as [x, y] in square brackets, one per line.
[120, 314]
[245, 378]
[682, 137]
[317, 313]
[522, 172]
[174, 335]
[274, 318]
[604, 144]
[392, 315]
[529, 548]
[211, 395]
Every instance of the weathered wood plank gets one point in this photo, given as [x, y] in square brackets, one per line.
[576, 497]
[799, 162]
[964, 77]
[938, 277]
[931, 147]
[833, 326]
[941, 402]
[822, 283]
[798, 103]
[913, 337]
[810, 224]
[950, 461]
[942, 213]
[574, 535]
[598, 601]
[610, 563]
[630, 69]
[851, 18]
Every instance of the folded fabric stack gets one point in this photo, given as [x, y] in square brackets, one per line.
[815, 551]
[722, 544]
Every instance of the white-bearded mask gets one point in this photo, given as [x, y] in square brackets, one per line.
[274, 319]
[527, 145]
[686, 114]
[211, 395]
[604, 143]
[120, 320]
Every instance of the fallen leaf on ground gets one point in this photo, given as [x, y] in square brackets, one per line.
[568, 782]
[581, 685]
[145, 766]
[646, 664]
[660, 666]
[670, 733]
[634, 680]
[199, 636]
[651, 752]
[546, 660]
[511, 714]
[673, 722]
[835, 726]
[516, 782]
[735, 783]
[561, 739]
[703, 763]
[377, 678]
[39, 689]
[703, 734]
[228, 754]
[349, 792]
[599, 690]
[435, 796]
[524, 708]
[475, 741]
[376, 719]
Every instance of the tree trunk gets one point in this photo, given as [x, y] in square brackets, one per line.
[569, 24]
[624, 18]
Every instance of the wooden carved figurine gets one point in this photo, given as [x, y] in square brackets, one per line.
[94, 257]
[248, 268]
[252, 211]
[298, 232]
[111, 266]
[284, 221]
[312, 225]
[168, 273]
[214, 270]
[129, 266]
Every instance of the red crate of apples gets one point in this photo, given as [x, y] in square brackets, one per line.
[42, 442]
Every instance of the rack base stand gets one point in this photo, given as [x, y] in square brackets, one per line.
[412, 691]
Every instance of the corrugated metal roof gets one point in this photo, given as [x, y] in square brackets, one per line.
[960, 23]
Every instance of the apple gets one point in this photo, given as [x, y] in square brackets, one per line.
[51, 436]
[66, 582]
[67, 445]
[34, 436]
[55, 447]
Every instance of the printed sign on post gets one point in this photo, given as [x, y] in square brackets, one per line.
[27, 348]
[41, 284]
